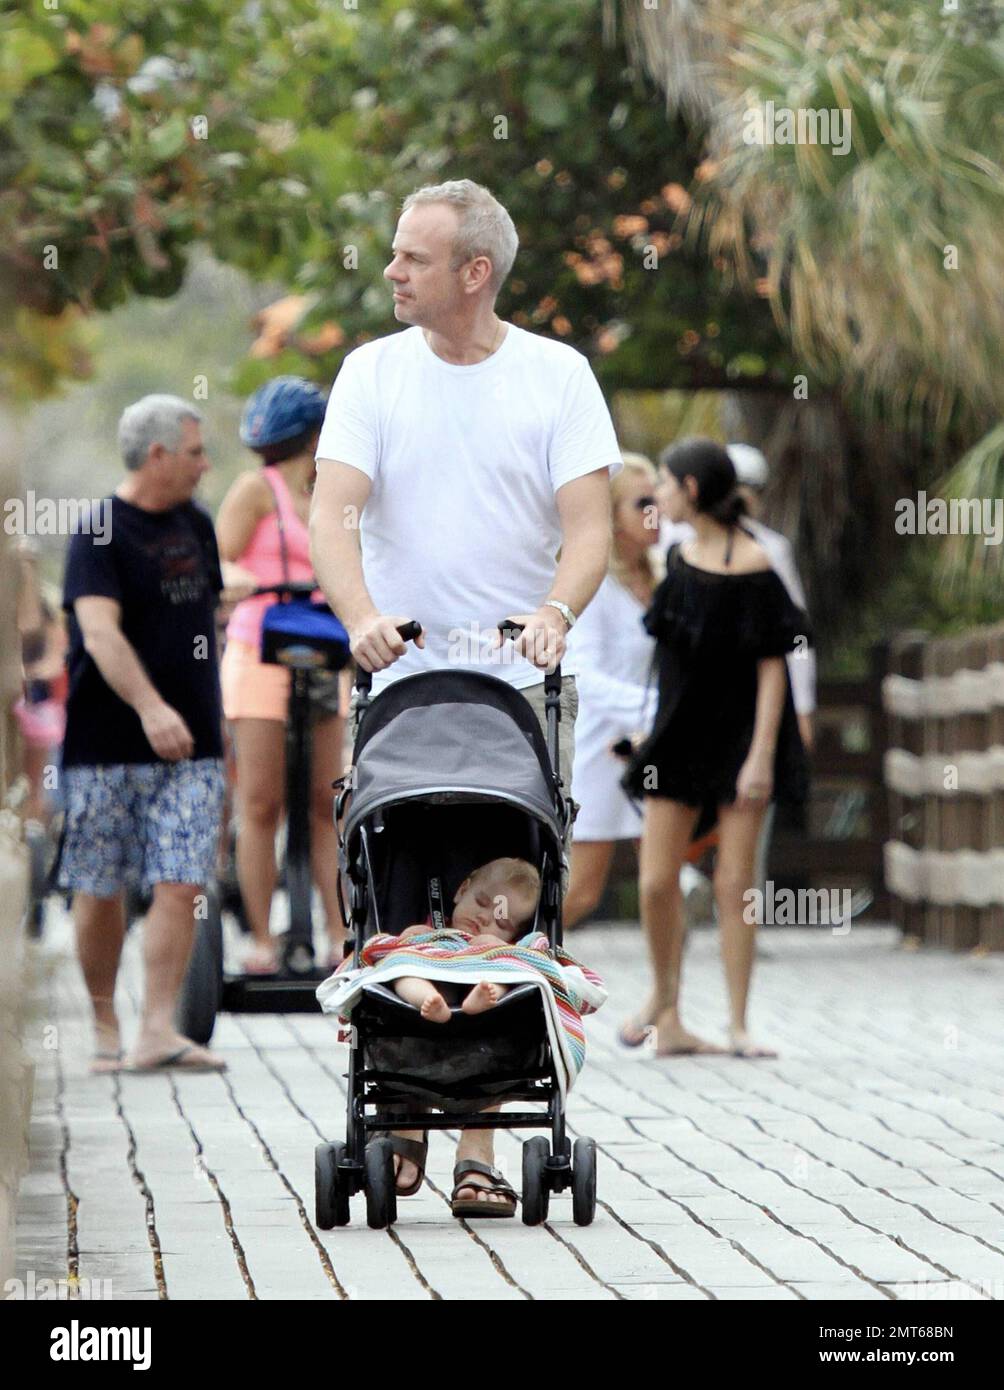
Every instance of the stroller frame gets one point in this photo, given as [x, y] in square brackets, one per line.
[382, 1096]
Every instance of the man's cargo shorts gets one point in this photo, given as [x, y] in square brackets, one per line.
[140, 823]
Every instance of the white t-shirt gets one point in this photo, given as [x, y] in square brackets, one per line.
[461, 527]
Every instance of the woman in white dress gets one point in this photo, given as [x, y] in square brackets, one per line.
[613, 655]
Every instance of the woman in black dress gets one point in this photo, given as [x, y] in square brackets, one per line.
[725, 740]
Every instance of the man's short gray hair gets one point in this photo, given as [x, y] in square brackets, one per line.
[485, 229]
[153, 420]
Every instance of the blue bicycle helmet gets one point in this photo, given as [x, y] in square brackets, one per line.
[284, 408]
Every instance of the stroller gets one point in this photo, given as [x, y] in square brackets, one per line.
[447, 766]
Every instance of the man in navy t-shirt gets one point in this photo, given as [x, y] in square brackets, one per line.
[142, 759]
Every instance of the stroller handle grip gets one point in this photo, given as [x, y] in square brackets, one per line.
[509, 628]
[409, 631]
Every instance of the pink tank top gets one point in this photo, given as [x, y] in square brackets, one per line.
[263, 557]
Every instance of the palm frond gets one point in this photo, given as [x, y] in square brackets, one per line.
[860, 246]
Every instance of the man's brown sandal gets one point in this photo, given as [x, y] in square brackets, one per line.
[481, 1206]
[415, 1151]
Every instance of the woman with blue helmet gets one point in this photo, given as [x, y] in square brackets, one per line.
[262, 534]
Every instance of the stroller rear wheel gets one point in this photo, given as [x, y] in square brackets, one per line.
[536, 1193]
[331, 1193]
[584, 1181]
[381, 1192]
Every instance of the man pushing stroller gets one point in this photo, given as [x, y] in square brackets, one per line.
[456, 459]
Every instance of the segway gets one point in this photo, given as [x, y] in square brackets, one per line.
[306, 638]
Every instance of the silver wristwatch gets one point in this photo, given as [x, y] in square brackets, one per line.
[563, 609]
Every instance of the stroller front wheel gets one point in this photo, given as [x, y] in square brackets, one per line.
[584, 1181]
[331, 1194]
[381, 1190]
[536, 1193]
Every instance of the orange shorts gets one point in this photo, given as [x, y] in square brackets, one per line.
[256, 689]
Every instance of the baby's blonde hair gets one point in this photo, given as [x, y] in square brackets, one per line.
[514, 873]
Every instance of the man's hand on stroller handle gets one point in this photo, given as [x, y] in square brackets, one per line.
[542, 639]
[379, 640]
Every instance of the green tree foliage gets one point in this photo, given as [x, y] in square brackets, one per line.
[286, 134]
[122, 133]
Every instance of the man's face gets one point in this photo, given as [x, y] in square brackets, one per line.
[181, 470]
[492, 907]
[426, 290]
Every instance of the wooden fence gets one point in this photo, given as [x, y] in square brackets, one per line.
[944, 768]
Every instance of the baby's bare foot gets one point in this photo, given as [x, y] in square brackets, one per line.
[435, 1008]
[482, 996]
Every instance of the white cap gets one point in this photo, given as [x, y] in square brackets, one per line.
[750, 465]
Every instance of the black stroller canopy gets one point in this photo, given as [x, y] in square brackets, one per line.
[452, 736]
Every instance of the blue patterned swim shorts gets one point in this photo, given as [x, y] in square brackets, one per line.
[140, 823]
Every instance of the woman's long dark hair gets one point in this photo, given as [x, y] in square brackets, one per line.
[711, 468]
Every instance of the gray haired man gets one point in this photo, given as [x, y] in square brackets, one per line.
[142, 759]
[473, 451]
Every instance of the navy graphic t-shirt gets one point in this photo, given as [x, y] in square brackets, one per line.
[163, 569]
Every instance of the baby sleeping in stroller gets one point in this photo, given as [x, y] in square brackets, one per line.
[490, 910]
[490, 907]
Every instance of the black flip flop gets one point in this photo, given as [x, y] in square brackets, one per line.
[415, 1151]
[477, 1207]
[176, 1061]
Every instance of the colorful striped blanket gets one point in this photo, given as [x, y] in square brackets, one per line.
[569, 989]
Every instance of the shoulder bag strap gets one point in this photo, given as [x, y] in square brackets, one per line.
[283, 551]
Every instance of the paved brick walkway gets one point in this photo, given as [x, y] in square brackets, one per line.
[865, 1164]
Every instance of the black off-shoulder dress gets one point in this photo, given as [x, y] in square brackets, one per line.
[711, 630]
